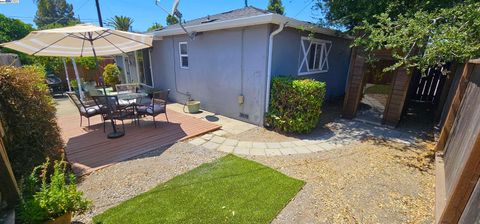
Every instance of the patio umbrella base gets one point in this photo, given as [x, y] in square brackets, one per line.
[117, 134]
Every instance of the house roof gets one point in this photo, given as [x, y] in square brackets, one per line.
[247, 16]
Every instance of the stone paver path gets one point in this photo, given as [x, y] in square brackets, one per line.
[340, 133]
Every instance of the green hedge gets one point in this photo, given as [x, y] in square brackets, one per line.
[295, 105]
[27, 112]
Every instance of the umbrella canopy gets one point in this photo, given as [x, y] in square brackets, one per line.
[80, 40]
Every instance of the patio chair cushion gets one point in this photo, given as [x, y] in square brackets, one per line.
[126, 102]
[90, 110]
[150, 109]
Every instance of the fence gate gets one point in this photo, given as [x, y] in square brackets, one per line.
[429, 88]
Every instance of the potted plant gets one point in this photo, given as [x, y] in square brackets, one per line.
[111, 74]
[193, 106]
[51, 197]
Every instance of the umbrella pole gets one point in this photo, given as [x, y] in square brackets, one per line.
[66, 75]
[115, 133]
[79, 82]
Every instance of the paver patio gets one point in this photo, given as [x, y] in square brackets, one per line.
[343, 132]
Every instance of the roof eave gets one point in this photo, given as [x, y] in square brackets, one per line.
[270, 18]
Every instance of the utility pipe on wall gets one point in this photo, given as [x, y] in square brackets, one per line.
[269, 65]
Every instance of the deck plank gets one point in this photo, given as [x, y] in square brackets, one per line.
[88, 149]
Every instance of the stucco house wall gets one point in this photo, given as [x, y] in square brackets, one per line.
[288, 54]
[223, 65]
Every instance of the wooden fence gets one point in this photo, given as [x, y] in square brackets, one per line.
[458, 153]
[356, 82]
[9, 192]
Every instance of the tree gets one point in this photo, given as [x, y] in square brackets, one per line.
[171, 20]
[348, 14]
[155, 26]
[276, 6]
[123, 23]
[14, 29]
[54, 12]
[424, 38]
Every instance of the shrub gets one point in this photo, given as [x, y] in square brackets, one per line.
[111, 75]
[27, 112]
[295, 105]
[45, 198]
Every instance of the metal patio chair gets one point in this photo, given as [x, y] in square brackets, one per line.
[86, 110]
[110, 109]
[157, 106]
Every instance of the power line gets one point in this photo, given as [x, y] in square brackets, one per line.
[308, 4]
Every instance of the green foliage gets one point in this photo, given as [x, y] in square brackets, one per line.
[228, 190]
[426, 38]
[123, 23]
[28, 115]
[14, 29]
[155, 26]
[171, 20]
[45, 198]
[51, 64]
[295, 105]
[74, 84]
[38, 69]
[88, 63]
[54, 12]
[348, 14]
[276, 6]
[111, 75]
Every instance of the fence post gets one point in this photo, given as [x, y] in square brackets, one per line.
[8, 187]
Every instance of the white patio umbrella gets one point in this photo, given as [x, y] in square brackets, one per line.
[80, 40]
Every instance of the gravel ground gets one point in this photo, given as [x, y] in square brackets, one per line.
[370, 182]
[112, 185]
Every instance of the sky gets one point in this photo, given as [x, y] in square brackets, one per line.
[145, 12]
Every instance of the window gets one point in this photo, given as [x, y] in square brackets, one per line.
[183, 49]
[315, 56]
[144, 67]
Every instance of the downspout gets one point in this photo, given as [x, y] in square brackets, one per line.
[269, 65]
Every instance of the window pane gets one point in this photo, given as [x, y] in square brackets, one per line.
[147, 71]
[183, 49]
[311, 56]
[141, 70]
[184, 61]
[317, 58]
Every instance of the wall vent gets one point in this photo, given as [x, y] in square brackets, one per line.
[244, 116]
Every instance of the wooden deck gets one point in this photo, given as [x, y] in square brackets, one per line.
[89, 149]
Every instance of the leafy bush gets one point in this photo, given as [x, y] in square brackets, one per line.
[111, 75]
[27, 112]
[74, 83]
[45, 198]
[295, 105]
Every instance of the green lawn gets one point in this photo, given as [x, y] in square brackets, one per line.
[228, 190]
[378, 89]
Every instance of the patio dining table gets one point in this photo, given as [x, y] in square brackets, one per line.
[132, 99]
[131, 96]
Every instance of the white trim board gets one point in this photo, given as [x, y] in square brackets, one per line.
[270, 18]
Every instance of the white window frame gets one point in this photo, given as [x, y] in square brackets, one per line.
[143, 66]
[183, 55]
[325, 47]
[151, 66]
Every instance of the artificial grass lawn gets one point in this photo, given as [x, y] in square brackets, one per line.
[227, 190]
